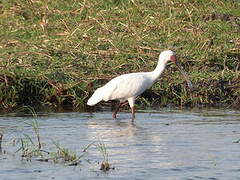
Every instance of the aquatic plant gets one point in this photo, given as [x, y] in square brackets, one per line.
[72, 159]
[66, 156]
[32, 147]
[105, 166]
[28, 146]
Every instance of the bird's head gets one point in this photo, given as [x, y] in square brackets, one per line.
[169, 55]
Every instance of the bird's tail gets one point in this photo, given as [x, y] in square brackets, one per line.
[95, 98]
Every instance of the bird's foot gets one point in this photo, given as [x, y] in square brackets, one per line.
[133, 118]
[114, 115]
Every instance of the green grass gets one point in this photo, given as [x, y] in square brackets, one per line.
[58, 52]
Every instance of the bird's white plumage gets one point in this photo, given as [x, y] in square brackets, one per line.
[123, 87]
[129, 86]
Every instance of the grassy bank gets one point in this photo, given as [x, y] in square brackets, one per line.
[58, 52]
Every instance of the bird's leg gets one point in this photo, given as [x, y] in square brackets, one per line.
[120, 104]
[114, 115]
[133, 113]
[124, 103]
[131, 102]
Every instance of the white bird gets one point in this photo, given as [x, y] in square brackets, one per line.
[127, 87]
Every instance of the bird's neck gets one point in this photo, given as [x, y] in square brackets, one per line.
[158, 71]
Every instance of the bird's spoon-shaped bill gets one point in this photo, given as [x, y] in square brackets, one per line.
[184, 75]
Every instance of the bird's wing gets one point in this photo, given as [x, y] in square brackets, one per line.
[102, 93]
[126, 86]
[107, 90]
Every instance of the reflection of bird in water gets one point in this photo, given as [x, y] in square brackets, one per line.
[117, 129]
[128, 86]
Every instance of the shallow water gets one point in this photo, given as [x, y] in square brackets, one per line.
[160, 144]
